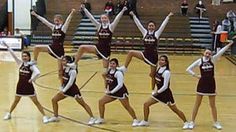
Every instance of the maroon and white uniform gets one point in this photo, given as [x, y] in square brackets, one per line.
[104, 31]
[69, 87]
[56, 49]
[26, 72]
[115, 84]
[206, 84]
[162, 79]
[150, 39]
[104, 42]
[150, 49]
[23, 86]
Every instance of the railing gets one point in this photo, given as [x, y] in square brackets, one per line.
[123, 44]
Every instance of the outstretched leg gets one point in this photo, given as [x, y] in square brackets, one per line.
[146, 107]
[131, 54]
[84, 105]
[146, 110]
[38, 49]
[85, 49]
[55, 100]
[13, 106]
[181, 115]
[104, 100]
[39, 106]
[16, 101]
[178, 112]
[126, 104]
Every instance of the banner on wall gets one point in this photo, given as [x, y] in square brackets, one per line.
[13, 42]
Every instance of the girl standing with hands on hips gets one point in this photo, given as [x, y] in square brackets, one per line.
[206, 84]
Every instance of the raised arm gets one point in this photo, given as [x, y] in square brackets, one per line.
[221, 52]
[193, 65]
[18, 61]
[68, 20]
[166, 76]
[138, 24]
[201, 8]
[43, 20]
[120, 81]
[163, 25]
[35, 73]
[90, 16]
[71, 81]
[117, 19]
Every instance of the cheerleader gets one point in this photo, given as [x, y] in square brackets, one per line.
[105, 30]
[69, 89]
[115, 89]
[150, 39]
[27, 75]
[206, 84]
[59, 29]
[162, 93]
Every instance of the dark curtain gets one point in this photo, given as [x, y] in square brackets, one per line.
[3, 16]
[41, 10]
[41, 7]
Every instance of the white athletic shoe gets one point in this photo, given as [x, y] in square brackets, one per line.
[186, 124]
[45, 119]
[143, 123]
[122, 68]
[91, 121]
[99, 121]
[135, 123]
[191, 125]
[53, 119]
[217, 125]
[7, 116]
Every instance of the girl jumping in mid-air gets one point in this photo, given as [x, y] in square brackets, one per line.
[150, 39]
[105, 30]
[56, 49]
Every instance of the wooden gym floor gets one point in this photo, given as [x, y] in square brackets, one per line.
[26, 118]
